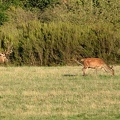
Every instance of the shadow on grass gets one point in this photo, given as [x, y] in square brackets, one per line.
[69, 75]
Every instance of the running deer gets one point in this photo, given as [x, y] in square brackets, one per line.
[95, 63]
[4, 56]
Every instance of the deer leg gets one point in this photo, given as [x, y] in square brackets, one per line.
[105, 69]
[84, 71]
[96, 70]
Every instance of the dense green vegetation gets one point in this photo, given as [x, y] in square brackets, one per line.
[51, 32]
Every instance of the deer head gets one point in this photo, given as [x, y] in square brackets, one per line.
[4, 56]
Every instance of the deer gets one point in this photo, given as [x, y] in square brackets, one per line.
[95, 63]
[4, 56]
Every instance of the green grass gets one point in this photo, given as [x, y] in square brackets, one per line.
[58, 93]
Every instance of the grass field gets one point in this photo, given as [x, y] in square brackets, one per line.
[58, 93]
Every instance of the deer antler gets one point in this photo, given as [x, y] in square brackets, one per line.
[9, 50]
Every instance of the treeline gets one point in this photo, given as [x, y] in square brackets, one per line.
[54, 32]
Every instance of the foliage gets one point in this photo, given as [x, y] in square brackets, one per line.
[3, 15]
[39, 4]
[53, 32]
[3, 18]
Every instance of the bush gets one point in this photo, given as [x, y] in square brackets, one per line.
[38, 43]
[3, 18]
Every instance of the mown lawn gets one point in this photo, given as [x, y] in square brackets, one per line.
[58, 93]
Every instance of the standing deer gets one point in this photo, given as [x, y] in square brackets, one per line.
[4, 56]
[95, 63]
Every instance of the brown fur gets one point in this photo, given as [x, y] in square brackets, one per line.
[3, 58]
[95, 63]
